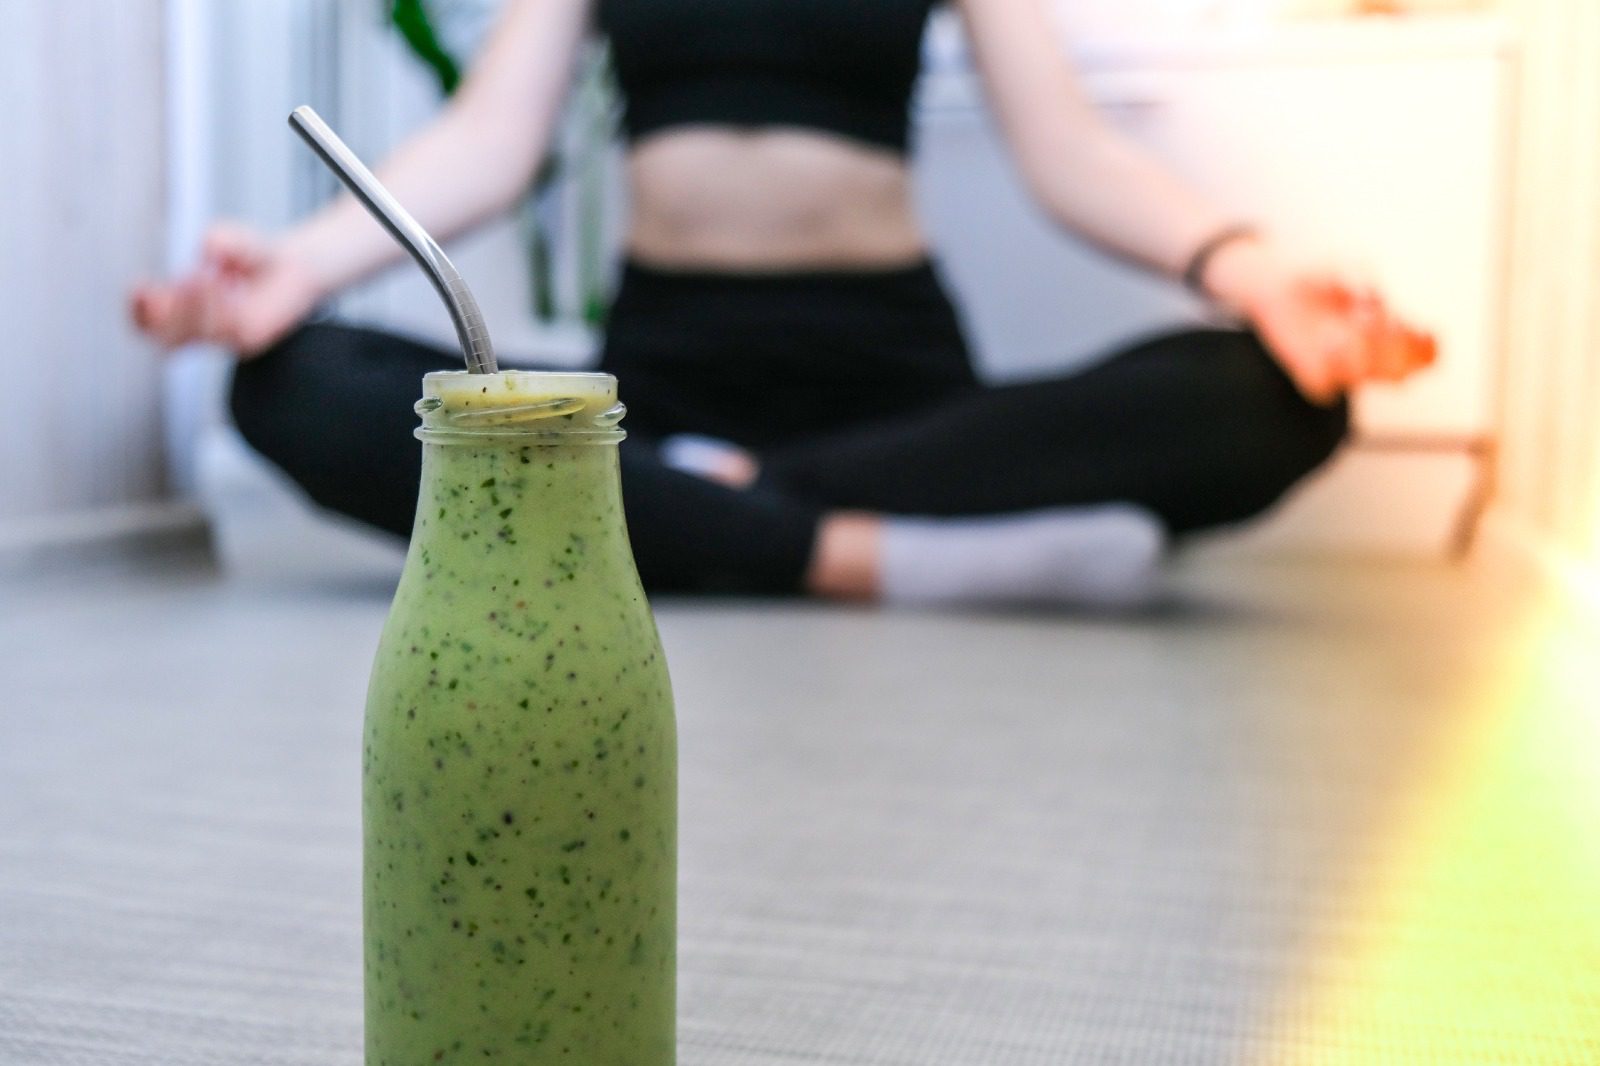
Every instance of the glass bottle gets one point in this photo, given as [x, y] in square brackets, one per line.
[520, 762]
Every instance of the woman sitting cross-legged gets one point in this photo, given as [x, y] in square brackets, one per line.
[804, 412]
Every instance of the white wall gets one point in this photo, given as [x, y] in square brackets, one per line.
[234, 71]
[1551, 415]
[81, 148]
[1117, 16]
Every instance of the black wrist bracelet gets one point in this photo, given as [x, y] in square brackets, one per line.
[1194, 272]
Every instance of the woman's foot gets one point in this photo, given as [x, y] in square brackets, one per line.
[1104, 557]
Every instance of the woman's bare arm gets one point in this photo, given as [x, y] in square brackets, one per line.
[474, 159]
[1329, 333]
[1082, 171]
[249, 290]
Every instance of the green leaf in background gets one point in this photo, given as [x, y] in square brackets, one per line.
[410, 17]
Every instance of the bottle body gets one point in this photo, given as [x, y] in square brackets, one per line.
[519, 775]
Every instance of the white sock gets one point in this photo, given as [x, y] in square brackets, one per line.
[709, 457]
[1105, 556]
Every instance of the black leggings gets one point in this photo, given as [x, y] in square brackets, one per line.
[854, 390]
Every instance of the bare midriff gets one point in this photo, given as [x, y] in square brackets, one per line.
[715, 198]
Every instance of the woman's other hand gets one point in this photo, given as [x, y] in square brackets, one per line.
[247, 292]
[1331, 335]
[469, 164]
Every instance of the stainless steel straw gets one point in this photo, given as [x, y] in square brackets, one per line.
[474, 336]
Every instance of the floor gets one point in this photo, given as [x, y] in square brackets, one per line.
[1310, 813]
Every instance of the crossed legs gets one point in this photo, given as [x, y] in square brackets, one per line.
[1195, 430]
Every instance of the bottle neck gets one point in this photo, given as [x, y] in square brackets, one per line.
[545, 515]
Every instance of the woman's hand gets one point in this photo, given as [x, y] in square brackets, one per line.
[1331, 335]
[247, 293]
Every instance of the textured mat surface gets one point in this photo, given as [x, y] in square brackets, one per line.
[1307, 820]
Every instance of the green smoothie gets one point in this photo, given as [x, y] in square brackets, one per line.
[519, 789]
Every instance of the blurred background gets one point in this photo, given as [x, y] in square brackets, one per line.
[1341, 808]
[1471, 197]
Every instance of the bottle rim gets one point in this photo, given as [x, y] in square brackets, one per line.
[524, 406]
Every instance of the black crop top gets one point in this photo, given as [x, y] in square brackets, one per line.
[844, 66]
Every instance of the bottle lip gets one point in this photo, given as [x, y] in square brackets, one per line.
[528, 405]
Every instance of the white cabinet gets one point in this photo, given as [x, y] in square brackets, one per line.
[1383, 146]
